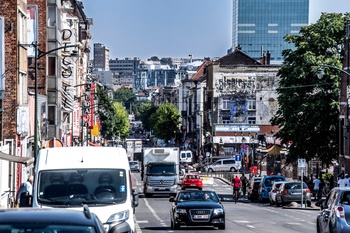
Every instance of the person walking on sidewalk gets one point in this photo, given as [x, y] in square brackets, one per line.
[316, 189]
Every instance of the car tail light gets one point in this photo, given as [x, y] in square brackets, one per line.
[308, 190]
[285, 191]
[274, 191]
[339, 211]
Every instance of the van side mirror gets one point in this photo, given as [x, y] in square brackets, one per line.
[135, 198]
[25, 200]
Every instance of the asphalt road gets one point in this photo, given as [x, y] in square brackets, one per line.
[153, 214]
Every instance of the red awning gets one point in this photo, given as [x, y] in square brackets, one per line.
[93, 144]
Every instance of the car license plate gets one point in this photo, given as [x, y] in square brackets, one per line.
[296, 193]
[192, 185]
[161, 189]
[200, 216]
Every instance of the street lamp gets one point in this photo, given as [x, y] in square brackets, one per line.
[39, 54]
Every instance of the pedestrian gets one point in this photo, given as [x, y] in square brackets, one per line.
[320, 192]
[316, 188]
[347, 182]
[24, 191]
[342, 182]
[236, 184]
[244, 182]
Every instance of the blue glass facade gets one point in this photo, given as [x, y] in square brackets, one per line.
[260, 25]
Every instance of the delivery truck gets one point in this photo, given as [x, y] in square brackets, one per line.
[160, 170]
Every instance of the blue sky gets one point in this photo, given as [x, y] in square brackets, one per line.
[173, 28]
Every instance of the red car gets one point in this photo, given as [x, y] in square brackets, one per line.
[192, 181]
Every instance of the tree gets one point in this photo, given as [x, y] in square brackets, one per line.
[107, 115]
[125, 96]
[146, 111]
[122, 120]
[308, 107]
[166, 121]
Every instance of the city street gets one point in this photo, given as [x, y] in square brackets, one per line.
[153, 214]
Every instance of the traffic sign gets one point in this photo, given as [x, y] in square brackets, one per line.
[301, 163]
[238, 157]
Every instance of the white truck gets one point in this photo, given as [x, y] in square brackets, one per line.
[160, 170]
[100, 177]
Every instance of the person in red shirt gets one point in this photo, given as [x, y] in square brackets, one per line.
[236, 183]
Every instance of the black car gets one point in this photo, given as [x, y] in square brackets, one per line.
[49, 220]
[197, 208]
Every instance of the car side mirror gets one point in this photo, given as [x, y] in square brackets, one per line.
[171, 199]
[135, 198]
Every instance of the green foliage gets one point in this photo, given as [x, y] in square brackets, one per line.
[124, 95]
[146, 111]
[113, 117]
[165, 121]
[137, 108]
[308, 107]
[122, 120]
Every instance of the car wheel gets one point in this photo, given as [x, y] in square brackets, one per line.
[210, 170]
[148, 195]
[232, 169]
[176, 226]
[200, 188]
[222, 226]
[182, 188]
[318, 229]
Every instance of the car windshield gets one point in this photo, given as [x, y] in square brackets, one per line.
[37, 227]
[345, 198]
[295, 185]
[269, 181]
[82, 186]
[161, 169]
[197, 196]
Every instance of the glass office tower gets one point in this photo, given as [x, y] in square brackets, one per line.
[258, 26]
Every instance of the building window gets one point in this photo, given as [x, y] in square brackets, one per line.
[251, 120]
[51, 115]
[51, 66]
[226, 103]
[251, 105]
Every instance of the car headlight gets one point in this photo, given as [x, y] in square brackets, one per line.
[218, 211]
[119, 217]
[181, 211]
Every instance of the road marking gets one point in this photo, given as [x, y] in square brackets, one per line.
[152, 211]
[142, 221]
[250, 226]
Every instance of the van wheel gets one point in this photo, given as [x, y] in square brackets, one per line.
[210, 170]
[232, 169]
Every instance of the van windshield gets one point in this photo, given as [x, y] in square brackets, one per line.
[82, 186]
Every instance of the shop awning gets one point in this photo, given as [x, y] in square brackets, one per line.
[274, 150]
[93, 144]
[24, 160]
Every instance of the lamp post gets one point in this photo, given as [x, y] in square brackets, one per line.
[39, 54]
[244, 153]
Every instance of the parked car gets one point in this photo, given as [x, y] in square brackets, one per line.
[292, 192]
[197, 208]
[274, 190]
[134, 166]
[224, 165]
[334, 215]
[266, 184]
[49, 220]
[253, 190]
[191, 181]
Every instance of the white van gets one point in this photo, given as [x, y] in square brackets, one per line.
[224, 165]
[67, 177]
